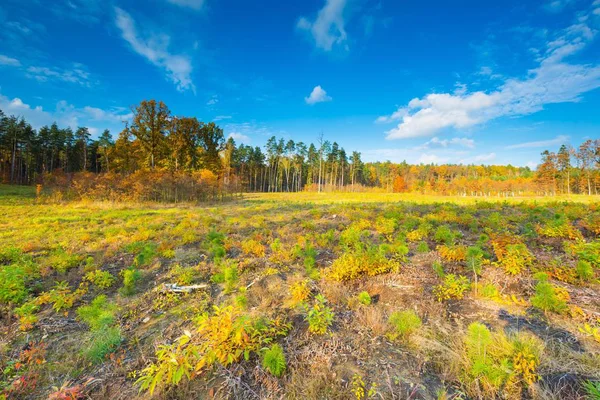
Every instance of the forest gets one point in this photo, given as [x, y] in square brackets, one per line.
[184, 155]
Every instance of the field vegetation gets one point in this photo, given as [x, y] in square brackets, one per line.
[300, 296]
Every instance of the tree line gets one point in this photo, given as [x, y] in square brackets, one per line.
[156, 140]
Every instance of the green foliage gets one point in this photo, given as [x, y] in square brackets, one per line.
[548, 297]
[453, 287]
[273, 360]
[61, 296]
[61, 260]
[496, 364]
[474, 259]
[101, 343]
[443, 234]
[215, 242]
[404, 323]
[16, 276]
[422, 247]
[584, 270]
[319, 316]
[130, 277]
[101, 279]
[228, 275]
[183, 275]
[364, 298]
[104, 338]
[592, 389]
[438, 268]
[98, 314]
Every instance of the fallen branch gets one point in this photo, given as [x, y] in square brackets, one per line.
[175, 288]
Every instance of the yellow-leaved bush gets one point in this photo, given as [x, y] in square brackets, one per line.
[223, 338]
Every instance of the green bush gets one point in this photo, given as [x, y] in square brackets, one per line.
[548, 297]
[101, 343]
[98, 314]
[584, 270]
[101, 279]
[104, 338]
[443, 234]
[364, 298]
[404, 323]
[320, 316]
[422, 247]
[130, 277]
[273, 360]
[438, 268]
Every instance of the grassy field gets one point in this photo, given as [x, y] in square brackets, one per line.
[300, 296]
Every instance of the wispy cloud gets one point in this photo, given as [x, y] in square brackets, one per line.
[436, 142]
[12, 62]
[64, 114]
[239, 137]
[193, 4]
[554, 80]
[557, 141]
[221, 117]
[318, 95]
[76, 74]
[328, 29]
[154, 47]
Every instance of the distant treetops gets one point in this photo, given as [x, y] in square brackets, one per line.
[156, 140]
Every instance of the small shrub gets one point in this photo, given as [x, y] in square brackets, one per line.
[498, 365]
[61, 260]
[299, 291]
[353, 265]
[364, 298]
[320, 316]
[584, 270]
[130, 277]
[102, 342]
[98, 314]
[453, 288]
[444, 234]
[100, 279]
[61, 297]
[404, 323]
[452, 253]
[253, 247]
[422, 247]
[549, 297]
[592, 389]
[273, 360]
[438, 268]
[183, 275]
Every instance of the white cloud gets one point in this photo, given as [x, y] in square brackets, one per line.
[557, 141]
[432, 159]
[221, 117]
[318, 95]
[395, 116]
[213, 100]
[193, 4]
[436, 142]
[11, 62]
[64, 114]
[553, 81]
[76, 74]
[327, 29]
[556, 6]
[485, 157]
[155, 49]
[239, 137]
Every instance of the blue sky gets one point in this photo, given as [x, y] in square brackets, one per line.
[465, 81]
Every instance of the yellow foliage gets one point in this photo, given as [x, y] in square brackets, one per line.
[253, 247]
[353, 265]
[452, 253]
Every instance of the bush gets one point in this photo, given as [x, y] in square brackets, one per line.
[548, 297]
[299, 291]
[130, 277]
[320, 316]
[273, 360]
[98, 314]
[422, 247]
[356, 264]
[584, 270]
[438, 268]
[452, 253]
[444, 234]
[102, 342]
[101, 279]
[404, 323]
[61, 260]
[364, 298]
[498, 365]
[223, 337]
[453, 287]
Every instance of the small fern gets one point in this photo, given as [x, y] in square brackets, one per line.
[274, 360]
